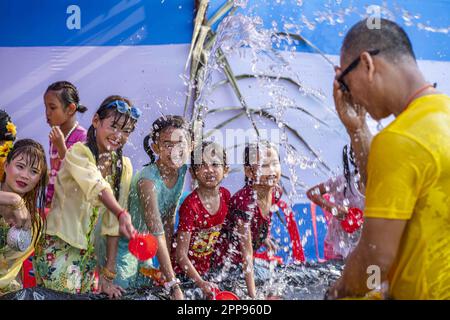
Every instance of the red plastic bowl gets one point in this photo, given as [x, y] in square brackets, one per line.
[353, 221]
[224, 295]
[143, 246]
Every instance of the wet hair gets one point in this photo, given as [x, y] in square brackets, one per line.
[160, 124]
[104, 112]
[348, 157]
[252, 149]
[209, 146]
[67, 93]
[4, 120]
[34, 154]
[392, 41]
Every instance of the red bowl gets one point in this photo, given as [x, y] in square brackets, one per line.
[143, 246]
[353, 221]
[224, 295]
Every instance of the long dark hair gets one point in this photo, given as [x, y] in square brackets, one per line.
[35, 199]
[5, 135]
[348, 157]
[160, 124]
[103, 112]
[253, 149]
[67, 93]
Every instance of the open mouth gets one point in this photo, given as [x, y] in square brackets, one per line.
[114, 143]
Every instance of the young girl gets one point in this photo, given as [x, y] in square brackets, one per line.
[92, 185]
[345, 191]
[7, 137]
[22, 199]
[61, 106]
[154, 196]
[202, 215]
[246, 228]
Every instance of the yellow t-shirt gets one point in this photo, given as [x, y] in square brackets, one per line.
[77, 189]
[409, 179]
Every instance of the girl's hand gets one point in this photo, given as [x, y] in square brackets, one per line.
[125, 226]
[16, 214]
[177, 294]
[56, 137]
[207, 287]
[107, 286]
[270, 245]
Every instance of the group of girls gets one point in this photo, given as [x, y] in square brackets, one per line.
[83, 210]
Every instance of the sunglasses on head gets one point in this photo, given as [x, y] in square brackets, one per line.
[123, 107]
[343, 86]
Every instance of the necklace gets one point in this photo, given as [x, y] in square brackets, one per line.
[52, 155]
[415, 94]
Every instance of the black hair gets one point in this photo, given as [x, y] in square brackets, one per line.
[389, 38]
[210, 146]
[252, 149]
[348, 157]
[34, 199]
[104, 112]
[160, 124]
[67, 93]
[5, 135]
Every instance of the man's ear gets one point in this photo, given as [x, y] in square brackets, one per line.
[155, 148]
[369, 65]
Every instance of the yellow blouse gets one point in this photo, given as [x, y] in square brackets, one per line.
[77, 189]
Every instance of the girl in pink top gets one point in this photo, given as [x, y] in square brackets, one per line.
[61, 106]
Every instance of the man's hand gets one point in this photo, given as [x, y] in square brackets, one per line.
[353, 117]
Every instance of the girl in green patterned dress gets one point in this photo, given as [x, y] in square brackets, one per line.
[91, 188]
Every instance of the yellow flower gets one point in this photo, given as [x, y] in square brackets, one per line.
[6, 148]
[11, 128]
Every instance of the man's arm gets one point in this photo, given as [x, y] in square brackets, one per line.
[377, 247]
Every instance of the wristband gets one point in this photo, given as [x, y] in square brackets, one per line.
[174, 282]
[108, 275]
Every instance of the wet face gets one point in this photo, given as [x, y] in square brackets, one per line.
[54, 109]
[172, 147]
[22, 174]
[111, 133]
[266, 172]
[211, 172]
[364, 89]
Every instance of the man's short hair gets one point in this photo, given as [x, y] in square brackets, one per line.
[390, 39]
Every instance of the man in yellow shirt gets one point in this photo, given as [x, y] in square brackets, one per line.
[406, 235]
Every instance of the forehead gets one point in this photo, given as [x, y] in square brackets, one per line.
[119, 120]
[29, 160]
[264, 154]
[51, 97]
[172, 134]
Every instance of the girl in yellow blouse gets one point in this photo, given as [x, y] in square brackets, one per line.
[91, 189]
[22, 199]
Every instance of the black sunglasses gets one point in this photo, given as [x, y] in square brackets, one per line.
[353, 65]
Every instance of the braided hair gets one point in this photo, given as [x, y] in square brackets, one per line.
[67, 93]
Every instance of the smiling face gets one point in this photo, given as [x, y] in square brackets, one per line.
[172, 147]
[55, 112]
[23, 173]
[211, 172]
[112, 132]
[265, 171]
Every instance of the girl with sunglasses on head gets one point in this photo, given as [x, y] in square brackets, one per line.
[92, 188]
[62, 104]
[154, 196]
[22, 219]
